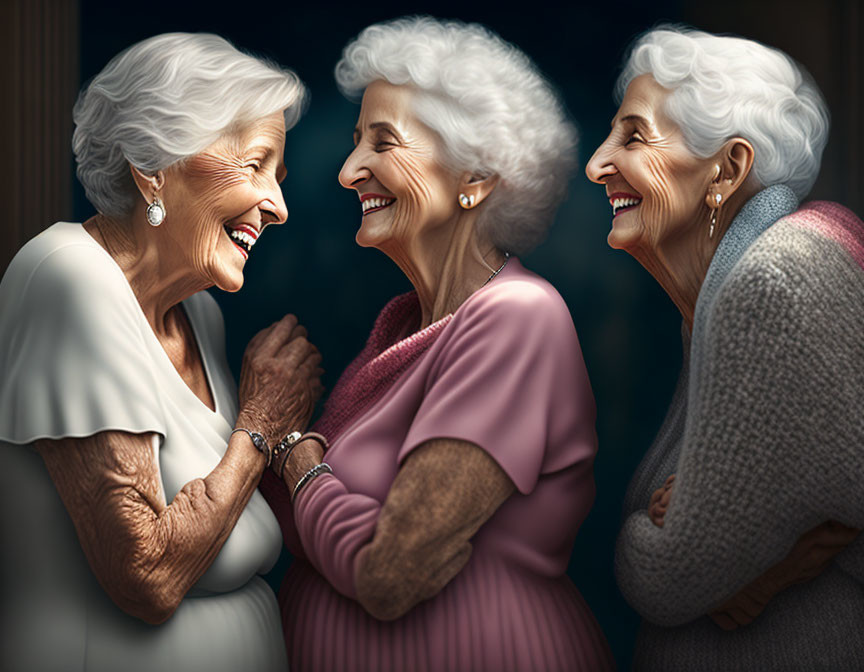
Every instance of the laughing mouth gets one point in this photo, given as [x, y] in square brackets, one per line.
[372, 204]
[623, 202]
[243, 237]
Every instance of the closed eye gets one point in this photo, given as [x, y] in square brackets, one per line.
[634, 138]
[383, 146]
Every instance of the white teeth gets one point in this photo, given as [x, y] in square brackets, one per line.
[371, 203]
[243, 237]
[619, 203]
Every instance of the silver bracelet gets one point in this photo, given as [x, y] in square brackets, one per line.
[313, 473]
[259, 442]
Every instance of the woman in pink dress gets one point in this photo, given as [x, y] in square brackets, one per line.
[433, 511]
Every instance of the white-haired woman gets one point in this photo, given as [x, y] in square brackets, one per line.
[434, 531]
[119, 417]
[715, 142]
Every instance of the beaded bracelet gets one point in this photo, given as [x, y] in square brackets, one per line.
[310, 475]
[259, 442]
[287, 446]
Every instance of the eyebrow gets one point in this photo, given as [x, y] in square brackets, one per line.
[636, 119]
[385, 125]
[268, 151]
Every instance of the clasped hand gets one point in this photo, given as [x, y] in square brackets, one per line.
[810, 556]
[280, 380]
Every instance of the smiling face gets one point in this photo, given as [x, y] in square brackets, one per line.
[398, 170]
[219, 201]
[655, 185]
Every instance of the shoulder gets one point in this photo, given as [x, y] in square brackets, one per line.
[796, 262]
[62, 265]
[518, 304]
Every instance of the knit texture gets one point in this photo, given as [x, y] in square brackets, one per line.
[767, 443]
[389, 351]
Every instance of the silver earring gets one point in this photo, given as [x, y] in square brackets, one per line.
[466, 201]
[717, 199]
[155, 212]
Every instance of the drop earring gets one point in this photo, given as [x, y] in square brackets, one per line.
[717, 199]
[155, 212]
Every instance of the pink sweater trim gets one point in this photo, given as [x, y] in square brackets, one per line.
[836, 222]
[388, 353]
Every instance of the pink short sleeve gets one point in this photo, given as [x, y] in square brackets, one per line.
[509, 377]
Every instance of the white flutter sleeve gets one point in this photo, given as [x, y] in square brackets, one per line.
[72, 353]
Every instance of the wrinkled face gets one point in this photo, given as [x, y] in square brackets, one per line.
[219, 201]
[655, 185]
[398, 170]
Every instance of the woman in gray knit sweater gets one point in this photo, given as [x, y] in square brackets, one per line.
[749, 559]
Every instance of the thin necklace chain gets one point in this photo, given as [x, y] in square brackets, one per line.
[500, 268]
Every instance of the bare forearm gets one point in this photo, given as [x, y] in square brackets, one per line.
[422, 538]
[145, 553]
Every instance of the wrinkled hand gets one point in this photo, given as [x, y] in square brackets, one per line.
[810, 556]
[660, 500]
[279, 380]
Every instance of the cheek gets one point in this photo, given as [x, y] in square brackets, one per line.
[411, 171]
[667, 202]
[215, 195]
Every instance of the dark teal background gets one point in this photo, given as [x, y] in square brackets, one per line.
[311, 266]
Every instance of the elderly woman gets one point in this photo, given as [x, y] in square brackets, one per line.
[434, 515]
[715, 142]
[119, 419]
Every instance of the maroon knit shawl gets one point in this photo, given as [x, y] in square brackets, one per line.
[392, 347]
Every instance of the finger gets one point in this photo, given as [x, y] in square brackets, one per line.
[279, 333]
[255, 341]
[739, 616]
[298, 332]
[723, 620]
[669, 481]
[313, 359]
[656, 516]
[295, 352]
[665, 499]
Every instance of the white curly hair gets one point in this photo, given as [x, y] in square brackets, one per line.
[165, 99]
[493, 110]
[723, 87]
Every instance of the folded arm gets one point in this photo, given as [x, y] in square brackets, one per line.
[751, 478]
[393, 556]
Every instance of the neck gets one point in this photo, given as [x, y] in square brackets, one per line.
[445, 266]
[680, 264]
[159, 280]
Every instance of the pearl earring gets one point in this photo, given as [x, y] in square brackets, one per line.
[466, 201]
[155, 212]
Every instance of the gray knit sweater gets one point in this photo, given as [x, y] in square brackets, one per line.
[766, 435]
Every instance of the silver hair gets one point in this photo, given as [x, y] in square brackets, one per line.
[493, 110]
[725, 87]
[165, 99]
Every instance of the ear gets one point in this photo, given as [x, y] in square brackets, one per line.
[476, 188]
[733, 164]
[148, 185]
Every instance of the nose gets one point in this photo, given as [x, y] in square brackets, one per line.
[601, 166]
[354, 172]
[273, 209]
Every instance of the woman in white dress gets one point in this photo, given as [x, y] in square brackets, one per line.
[132, 531]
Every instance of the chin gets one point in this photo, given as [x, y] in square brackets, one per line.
[624, 236]
[228, 279]
[369, 235]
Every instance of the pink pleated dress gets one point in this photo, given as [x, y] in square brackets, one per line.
[504, 372]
